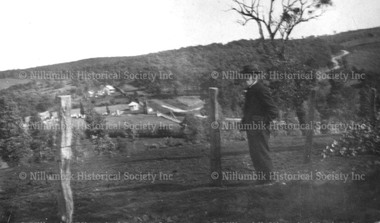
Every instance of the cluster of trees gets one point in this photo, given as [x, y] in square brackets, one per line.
[36, 142]
[358, 102]
[14, 141]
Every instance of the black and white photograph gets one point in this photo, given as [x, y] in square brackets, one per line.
[182, 111]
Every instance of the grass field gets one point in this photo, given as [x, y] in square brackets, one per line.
[181, 191]
[364, 53]
[7, 82]
[365, 57]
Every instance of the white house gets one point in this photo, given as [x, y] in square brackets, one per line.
[134, 106]
[108, 90]
[44, 115]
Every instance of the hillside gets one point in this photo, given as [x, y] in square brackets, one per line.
[187, 63]
[345, 38]
[8, 82]
[191, 67]
[364, 47]
[190, 62]
[190, 70]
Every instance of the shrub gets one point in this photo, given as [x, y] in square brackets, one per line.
[193, 129]
[362, 139]
[121, 144]
[14, 141]
[163, 132]
[104, 146]
[42, 141]
[97, 132]
[96, 124]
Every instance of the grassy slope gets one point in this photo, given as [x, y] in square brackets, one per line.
[364, 46]
[189, 65]
[186, 197]
[8, 82]
[196, 60]
[190, 61]
[365, 57]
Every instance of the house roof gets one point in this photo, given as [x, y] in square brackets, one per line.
[133, 103]
[110, 87]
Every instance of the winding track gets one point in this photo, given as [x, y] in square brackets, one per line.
[335, 59]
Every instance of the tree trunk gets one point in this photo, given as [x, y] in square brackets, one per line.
[301, 115]
[261, 32]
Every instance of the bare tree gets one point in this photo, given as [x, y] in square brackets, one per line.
[279, 17]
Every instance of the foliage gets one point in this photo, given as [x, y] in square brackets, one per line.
[359, 139]
[163, 131]
[44, 103]
[28, 103]
[96, 131]
[104, 146]
[193, 129]
[188, 65]
[121, 144]
[365, 137]
[366, 88]
[14, 141]
[42, 141]
[95, 123]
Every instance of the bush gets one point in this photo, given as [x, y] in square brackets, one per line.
[163, 132]
[96, 124]
[97, 132]
[363, 139]
[193, 129]
[121, 144]
[14, 141]
[104, 146]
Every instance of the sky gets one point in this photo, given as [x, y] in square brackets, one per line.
[43, 32]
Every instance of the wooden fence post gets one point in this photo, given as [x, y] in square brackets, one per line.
[310, 131]
[65, 196]
[215, 144]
